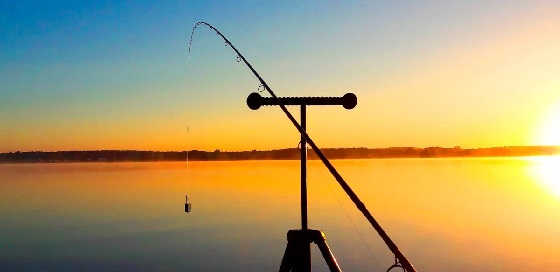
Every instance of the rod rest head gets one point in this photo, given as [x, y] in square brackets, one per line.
[255, 101]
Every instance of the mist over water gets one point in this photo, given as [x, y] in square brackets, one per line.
[453, 214]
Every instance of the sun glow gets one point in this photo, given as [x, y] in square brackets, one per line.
[547, 171]
[549, 133]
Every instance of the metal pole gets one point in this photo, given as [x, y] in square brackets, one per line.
[303, 159]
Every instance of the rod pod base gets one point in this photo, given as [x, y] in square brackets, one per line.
[297, 256]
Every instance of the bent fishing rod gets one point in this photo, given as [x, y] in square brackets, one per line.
[401, 260]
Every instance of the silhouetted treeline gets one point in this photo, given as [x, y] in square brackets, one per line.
[279, 154]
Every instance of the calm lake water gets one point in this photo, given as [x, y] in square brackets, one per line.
[491, 214]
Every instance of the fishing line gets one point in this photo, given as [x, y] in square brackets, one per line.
[347, 189]
[366, 243]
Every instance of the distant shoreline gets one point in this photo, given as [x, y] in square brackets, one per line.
[277, 154]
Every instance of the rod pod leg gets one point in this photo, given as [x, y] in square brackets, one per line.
[297, 257]
[321, 242]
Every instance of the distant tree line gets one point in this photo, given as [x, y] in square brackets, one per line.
[278, 154]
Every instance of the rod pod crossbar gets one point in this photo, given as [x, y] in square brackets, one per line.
[347, 189]
[255, 101]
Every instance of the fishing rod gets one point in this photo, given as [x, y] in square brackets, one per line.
[400, 259]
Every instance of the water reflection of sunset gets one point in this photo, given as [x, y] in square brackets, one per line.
[547, 172]
[242, 210]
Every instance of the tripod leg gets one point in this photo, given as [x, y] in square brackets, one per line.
[306, 256]
[327, 254]
[297, 257]
[287, 260]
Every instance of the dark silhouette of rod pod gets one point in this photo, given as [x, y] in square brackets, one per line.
[255, 101]
[347, 189]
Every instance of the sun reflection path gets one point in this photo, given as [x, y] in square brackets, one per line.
[547, 171]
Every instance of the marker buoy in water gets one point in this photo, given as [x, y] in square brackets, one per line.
[187, 204]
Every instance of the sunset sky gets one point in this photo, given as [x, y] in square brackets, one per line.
[102, 75]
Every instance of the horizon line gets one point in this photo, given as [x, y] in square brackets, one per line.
[287, 148]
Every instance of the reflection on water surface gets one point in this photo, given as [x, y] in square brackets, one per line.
[491, 214]
[546, 170]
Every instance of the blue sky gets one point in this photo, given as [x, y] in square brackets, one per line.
[106, 74]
